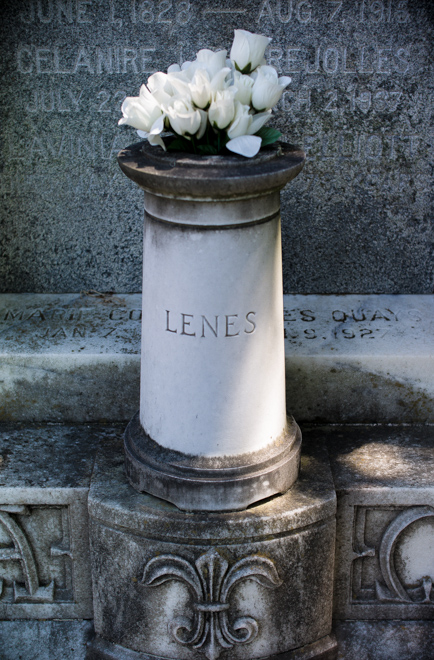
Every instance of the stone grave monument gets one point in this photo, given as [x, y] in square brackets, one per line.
[342, 562]
[212, 239]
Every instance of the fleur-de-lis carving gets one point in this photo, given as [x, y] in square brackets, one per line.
[211, 581]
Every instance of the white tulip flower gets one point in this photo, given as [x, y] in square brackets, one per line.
[244, 85]
[202, 88]
[180, 85]
[267, 88]
[203, 124]
[222, 109]
[258, 120]
[183, 119]
[159, 81]
[212, 62]
[248, 50]
[141, 111]
[241, 122]
[232, 96]
[154, 135]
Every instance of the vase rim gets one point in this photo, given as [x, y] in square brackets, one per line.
[189, 176]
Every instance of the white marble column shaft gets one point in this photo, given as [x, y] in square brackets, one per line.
[212, 363]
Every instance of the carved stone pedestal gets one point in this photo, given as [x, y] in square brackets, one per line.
[233, 585]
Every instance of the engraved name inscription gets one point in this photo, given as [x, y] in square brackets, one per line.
[108, 60]
[367, 59]
[61, 324]
[218, 325]
[61, 314]
[356, 323]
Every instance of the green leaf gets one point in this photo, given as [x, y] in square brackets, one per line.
[207, 149]
[247, 69]
[268, 135]
[179, 144]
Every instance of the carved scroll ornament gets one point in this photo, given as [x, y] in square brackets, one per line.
[395, 591]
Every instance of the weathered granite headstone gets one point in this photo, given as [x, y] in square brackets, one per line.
[359, 104]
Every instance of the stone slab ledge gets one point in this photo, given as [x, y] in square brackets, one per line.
[349, 358]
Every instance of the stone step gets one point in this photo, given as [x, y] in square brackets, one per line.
[384, 482]
[349, 358]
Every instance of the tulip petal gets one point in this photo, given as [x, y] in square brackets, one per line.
[203, 124]
[245, 145]
[152, 139]
[156, 140]
[284, 81]
[240, 52]
[258, 121]
[158, 126]
[248, 50]
[268, 70]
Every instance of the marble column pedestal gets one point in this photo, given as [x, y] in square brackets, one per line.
[234, 585]
[212, 432]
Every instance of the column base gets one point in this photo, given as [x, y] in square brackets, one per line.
[196, 483]
[240, 585]
[323, 649]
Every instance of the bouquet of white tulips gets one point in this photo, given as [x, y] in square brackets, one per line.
[211, 104]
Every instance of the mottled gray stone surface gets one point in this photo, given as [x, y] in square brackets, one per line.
[348, 358]
[158, 572]
[364, 640]
[44, 640]
[384, 479]
[385, 640]
[357, 219]
[44, 548]
[360, 358]
[324, 649]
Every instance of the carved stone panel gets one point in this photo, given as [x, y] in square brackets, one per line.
[44, 546]
[43, 571]
[211, 579]
[384, 480]
[385, 562]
